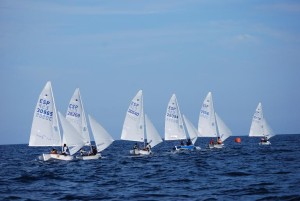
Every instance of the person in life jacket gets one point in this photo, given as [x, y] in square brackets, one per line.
[211, 141]
[219, 141]
[65, 150]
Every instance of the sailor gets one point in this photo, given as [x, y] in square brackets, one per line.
[189, 142]
[219, 141]
[148, 147]
[211, 141]
[94, 151]
[82, 152]
[135, 147]
[53, 151]
[65, 150]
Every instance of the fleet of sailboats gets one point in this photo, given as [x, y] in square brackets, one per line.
[51, 129]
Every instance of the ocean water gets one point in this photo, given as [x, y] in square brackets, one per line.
[243, 171]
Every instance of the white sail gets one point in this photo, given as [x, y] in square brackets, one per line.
[71, 137]
[45, 128]
[133, 127]
[256, 129]
[174, 129]
[153, 137]
[268, 132]
[207, 120]
[76, 116]
[224, 131]
[101, 136]
[259, 126]
[192, 131]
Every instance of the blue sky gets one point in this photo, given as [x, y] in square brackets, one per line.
[243, 52]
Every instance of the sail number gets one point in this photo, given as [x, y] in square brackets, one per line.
[73, 111]
[203, 112]
[171, 112]
[73, 114]
[42, 111]
[133, 112]
[133, 107]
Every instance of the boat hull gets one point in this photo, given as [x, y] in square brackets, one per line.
[47, 157]
[92, 157]
[265, 143]
[186, 148]
[140, 152]
[216, 146]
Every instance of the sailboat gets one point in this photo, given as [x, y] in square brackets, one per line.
[45, 130]
[136, 124]
[76, 116]
[260, 127]
[210, 124]
[174, 126]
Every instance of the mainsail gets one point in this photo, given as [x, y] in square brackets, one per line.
[76, 116]
[174, 129]
[207, 121]
[45, 128]
[259, 126]
[133, 127]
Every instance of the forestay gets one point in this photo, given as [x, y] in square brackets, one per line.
[133, 127]
[153, 137]
[174, 129]
[207, 120]
[45, 128]
[76, 116]
[101, 136]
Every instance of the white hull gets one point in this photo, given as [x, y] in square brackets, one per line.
[92, 157]
[140, 152]
[47, 157]
[216, 146]
[265, 143]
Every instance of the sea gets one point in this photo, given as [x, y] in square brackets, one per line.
[239, 171]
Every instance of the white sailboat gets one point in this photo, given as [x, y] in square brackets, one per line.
[102, 139]
[45, 129]
[174, 126]
[135, 125]
[210, 124]
[76, 116]
[259, 127]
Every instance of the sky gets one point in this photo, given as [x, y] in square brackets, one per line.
[244, 52]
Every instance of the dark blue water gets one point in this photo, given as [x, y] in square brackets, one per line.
[243, 171]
